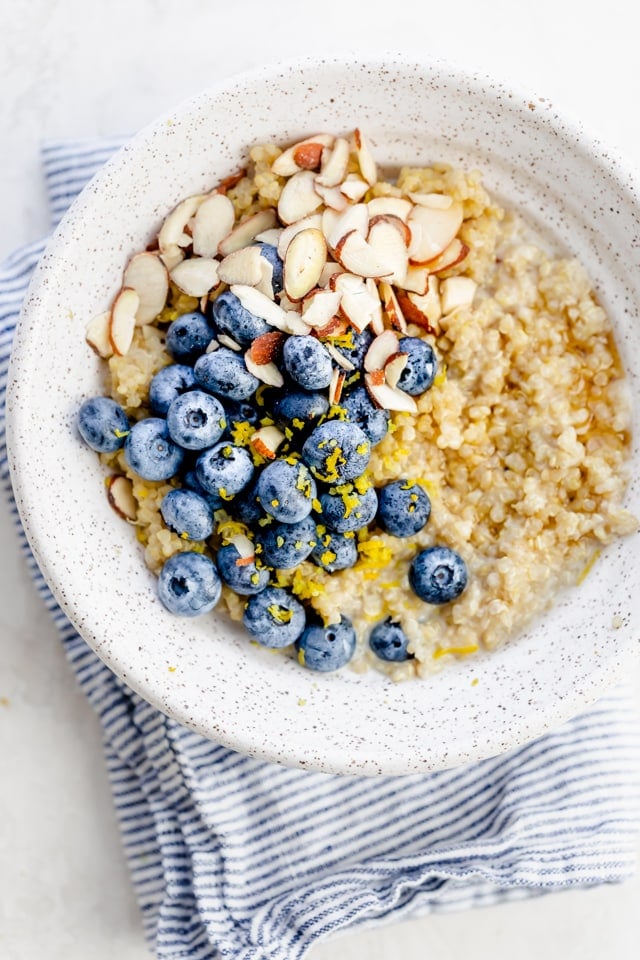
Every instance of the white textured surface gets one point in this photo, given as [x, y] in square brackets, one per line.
[69, 68]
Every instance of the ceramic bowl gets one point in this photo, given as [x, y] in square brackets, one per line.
[205, 673]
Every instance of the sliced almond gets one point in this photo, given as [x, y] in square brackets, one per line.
[394, 368]
[213, 222]
[172, 232]
[271, 236]
[267, 347]
[306, 256]
[451, 256]
[360, 305]
[424, 311]
[320, 307]
[392, 307]
[288, 305]
[437, 201]
[332, 197]
[212, 345]
[334, 328]
[266, 441]
[97, 335]
[389, 398]
[300, 155]
[376, 377]
[336, 226]
[456, 292]
[231, 181]
[354, 187]
[330, 271]
[308, 155]
[260, 306]
[382, 348]
[367, 164]
[225, 340]
[121, 498]
[377, 320]
[196, 276]
[334, 164]
[171, 256]
[390, 219]
[265, 284]
[147, 275]
[339, 358]
[295, 325]
[388, 240]
[123, 320]
[394, 206]
[245, 548]
[415, 280]
[335, 387]
[357, 256]
[287, 235]
[265, 372]
[242, 266]
[298, 198]
[246, 231]
[438, 227]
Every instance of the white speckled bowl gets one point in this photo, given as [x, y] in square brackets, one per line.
[224, 687]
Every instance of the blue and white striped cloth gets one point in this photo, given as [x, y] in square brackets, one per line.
[231, 857]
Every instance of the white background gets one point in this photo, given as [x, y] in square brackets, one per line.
[79, 68]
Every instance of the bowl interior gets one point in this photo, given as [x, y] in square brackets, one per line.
[205, 673]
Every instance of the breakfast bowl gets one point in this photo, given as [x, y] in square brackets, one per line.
[203, 672]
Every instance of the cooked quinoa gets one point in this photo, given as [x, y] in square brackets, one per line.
[521, 443]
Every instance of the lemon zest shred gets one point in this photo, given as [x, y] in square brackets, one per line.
[456, 651]
[586, 570]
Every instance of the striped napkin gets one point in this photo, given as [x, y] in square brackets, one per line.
[231, 857]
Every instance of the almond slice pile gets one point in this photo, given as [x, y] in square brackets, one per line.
[351, 262]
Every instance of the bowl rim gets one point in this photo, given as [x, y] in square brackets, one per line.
[333, 760]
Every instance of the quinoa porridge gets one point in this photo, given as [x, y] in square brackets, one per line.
[520, 442]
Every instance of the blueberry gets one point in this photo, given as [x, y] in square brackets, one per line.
[188, 337]
[189, 584]
[344, 509]
[286, 490]
[361, 410]
[241, 411]
[196, 420]
[169, 383]
[389, 641]
[236, 321]
[327, 648]
[360, 344]
[421, 368]
[335, 551]
[191, 482]
[307, 362]
[438, 575]
[224, 469]
[150, 451]
[246, 507]
[286, 545]
[243, 578]
[337, 451]
[403, 508]
[187, 514]
[274, 618]
[300, 405]
[102, 424]
[224, 372]
[270, 253]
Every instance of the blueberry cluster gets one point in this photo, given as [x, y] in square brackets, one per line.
[263, 510]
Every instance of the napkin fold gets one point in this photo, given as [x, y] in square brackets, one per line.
[233, 857]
